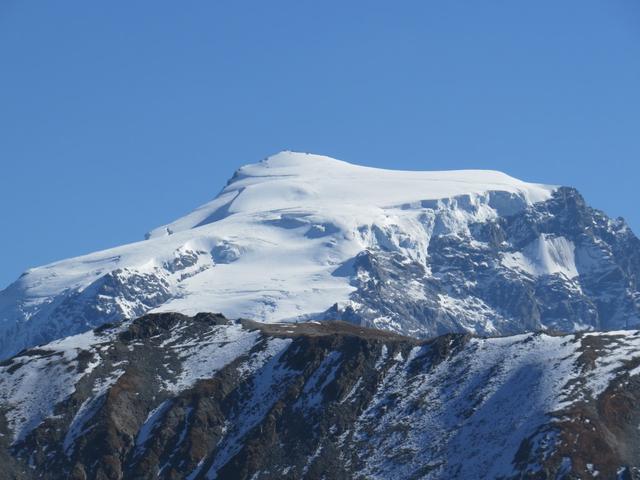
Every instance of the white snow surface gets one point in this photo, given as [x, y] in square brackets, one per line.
[547, 255]
[314, 182]
[267, 245]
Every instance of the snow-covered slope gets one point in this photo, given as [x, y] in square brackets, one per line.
[302, 236]
[168, 396]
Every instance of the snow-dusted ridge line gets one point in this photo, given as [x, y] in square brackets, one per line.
[327, 393]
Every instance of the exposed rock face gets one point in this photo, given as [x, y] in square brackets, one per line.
[113, 296]
[557, 265]
[173, 397]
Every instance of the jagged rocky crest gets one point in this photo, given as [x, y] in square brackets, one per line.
[558, 265]
[173, 397]
[304, 237]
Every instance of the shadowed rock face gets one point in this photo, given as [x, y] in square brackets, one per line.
[173, 397]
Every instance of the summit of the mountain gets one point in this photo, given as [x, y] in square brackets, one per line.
[315, 183]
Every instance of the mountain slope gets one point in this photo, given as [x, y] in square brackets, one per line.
[299, 237]
[168, 396]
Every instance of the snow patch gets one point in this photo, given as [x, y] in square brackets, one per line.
[547, 255]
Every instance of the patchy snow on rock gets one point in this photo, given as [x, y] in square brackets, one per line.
[323, 376]
[472, 411]
[478, 316]
[32, 384]
[267, 385]
[88, 409]
[146, 430]
[201, 358]
[616, 350]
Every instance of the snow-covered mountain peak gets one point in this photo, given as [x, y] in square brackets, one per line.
[300, 236]
[312, 183]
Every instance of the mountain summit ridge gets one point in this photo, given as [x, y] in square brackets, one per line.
[308, 177]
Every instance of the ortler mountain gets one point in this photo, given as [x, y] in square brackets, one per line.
[174, 397]
[301, 237]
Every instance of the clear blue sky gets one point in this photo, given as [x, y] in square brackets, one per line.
[119, 116]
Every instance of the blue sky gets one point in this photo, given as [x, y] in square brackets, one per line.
[116, 117]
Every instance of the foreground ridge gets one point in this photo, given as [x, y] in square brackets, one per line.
[171, 396]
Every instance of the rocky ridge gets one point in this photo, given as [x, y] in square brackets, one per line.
[170, 396]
